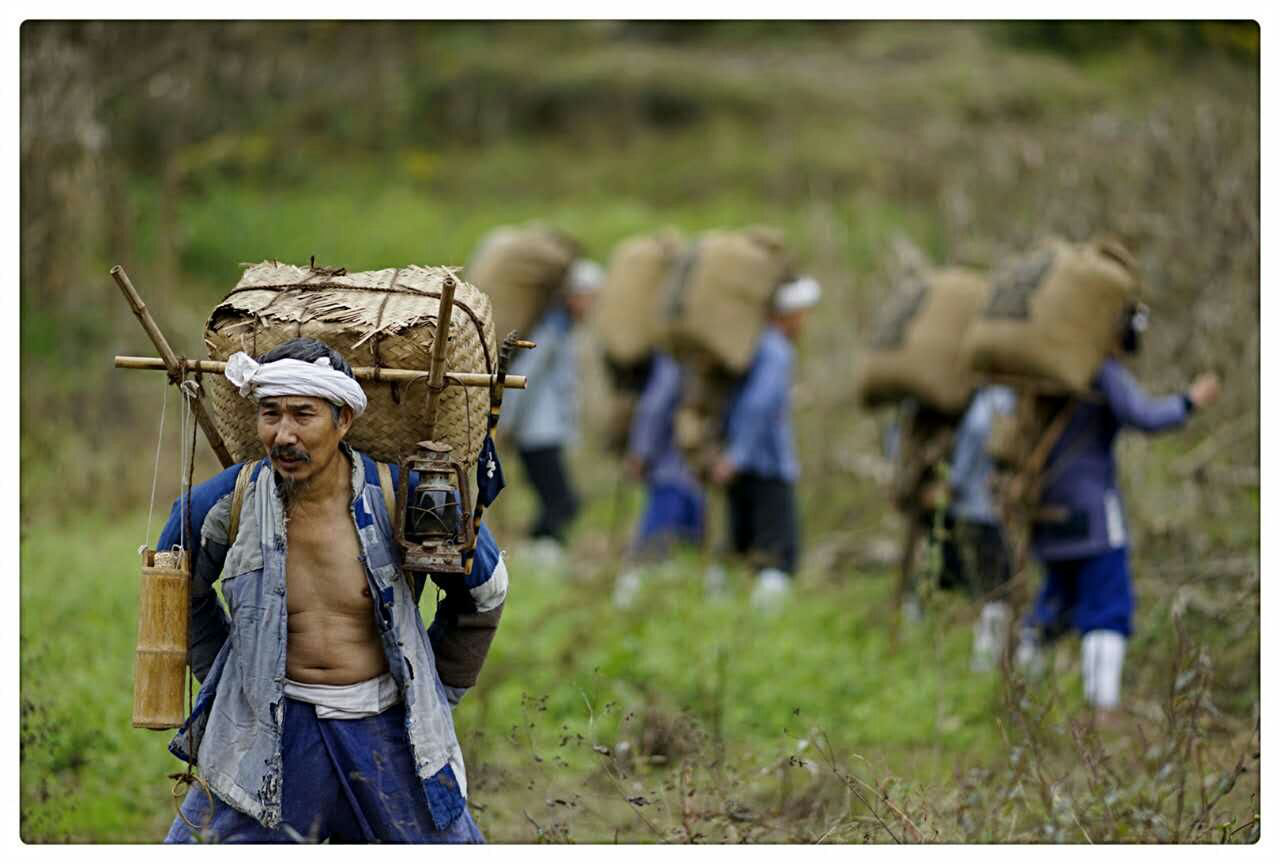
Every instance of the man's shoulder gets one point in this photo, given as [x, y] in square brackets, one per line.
[220, 484]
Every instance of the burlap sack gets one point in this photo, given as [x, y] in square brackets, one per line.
[522, 269]
[1054, 314]
[719, 299]
[384, 318]
[916, 350]
[629, 311]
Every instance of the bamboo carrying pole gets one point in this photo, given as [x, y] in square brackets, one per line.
[439, 354]
[362, 373]
[171, 363]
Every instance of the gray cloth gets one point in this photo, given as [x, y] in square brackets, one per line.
[546, 413]
[970, 461]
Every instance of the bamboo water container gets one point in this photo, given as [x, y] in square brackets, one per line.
[159, 666]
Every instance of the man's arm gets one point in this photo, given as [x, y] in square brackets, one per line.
[1133, 407]
[467, 618]
[757, 407]
[210, 509]
[656, 404]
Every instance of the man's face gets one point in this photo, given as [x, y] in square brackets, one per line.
[299, 434]
[792, 323]
[579, 305]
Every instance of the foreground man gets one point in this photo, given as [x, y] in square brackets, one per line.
[325, 705]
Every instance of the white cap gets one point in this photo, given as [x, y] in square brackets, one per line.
[584, 277]
[801, 293]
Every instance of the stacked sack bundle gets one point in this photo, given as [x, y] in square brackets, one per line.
[1053, 314]
[522, 269]
[917, 349]
[631, 322]
[382, 318]
[916, 357]
[1052, 319]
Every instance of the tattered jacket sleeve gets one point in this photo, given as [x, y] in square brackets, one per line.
[1133, 407]
[210, 509]
[467, 617]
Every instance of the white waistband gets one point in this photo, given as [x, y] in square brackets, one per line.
[347, 701]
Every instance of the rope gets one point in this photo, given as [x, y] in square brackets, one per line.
[191, 391]
[184, 494]
[155, 472]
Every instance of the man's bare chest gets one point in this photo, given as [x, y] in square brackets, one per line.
[323, 567]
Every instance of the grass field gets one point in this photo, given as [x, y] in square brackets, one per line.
[729, 726]
[686, 717]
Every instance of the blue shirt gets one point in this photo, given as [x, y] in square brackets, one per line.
[652, 438]
[235, 727]
[758, 430]
[545, 414]
[1080, 473]
[970, 461]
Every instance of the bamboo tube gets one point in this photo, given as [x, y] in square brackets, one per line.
[160, 660]
[362, 373]
[171, 362]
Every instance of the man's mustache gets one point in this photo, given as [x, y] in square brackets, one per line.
[291, 453]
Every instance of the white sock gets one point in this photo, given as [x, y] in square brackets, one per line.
[989, 634]
[1101, 667]
[772, 585]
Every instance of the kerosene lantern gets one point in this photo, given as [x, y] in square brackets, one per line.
[435, 524]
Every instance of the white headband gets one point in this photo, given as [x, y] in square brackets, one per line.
[294, 378]
[798, 294]
[584, 277]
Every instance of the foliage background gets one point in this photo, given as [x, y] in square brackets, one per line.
[182, 149]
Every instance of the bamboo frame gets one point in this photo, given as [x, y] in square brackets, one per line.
[362, 373]
[171, 363]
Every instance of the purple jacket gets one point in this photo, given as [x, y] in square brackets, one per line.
[1080, 474]
[652, 437]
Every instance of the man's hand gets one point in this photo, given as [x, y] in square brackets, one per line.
[1204, 390]
[722, 471]
[634, 467]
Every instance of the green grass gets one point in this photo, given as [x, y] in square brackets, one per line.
[678, 683]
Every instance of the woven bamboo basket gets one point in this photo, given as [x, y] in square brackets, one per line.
[383, 318]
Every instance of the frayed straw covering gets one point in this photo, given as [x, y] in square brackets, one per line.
[384, 318]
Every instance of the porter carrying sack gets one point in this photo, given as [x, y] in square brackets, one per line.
[383, 318]
[917, 348]
[1053, 314]
[522, 270]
